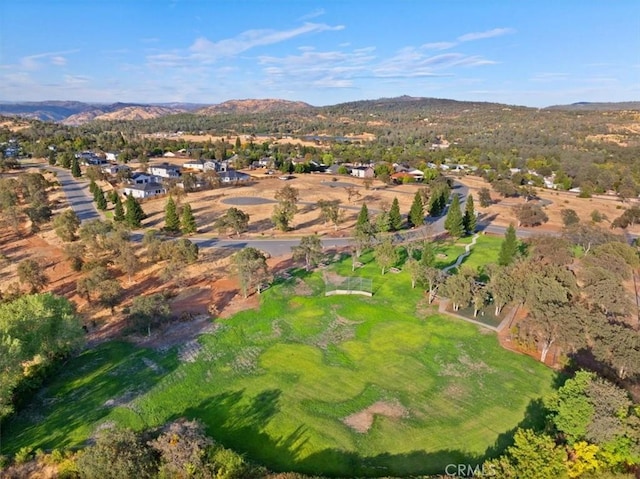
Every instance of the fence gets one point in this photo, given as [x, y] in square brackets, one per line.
[350, 285]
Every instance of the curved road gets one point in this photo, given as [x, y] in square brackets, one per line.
[81, 201]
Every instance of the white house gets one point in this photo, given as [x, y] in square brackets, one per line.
[165, 170]
[114, 169]
[111, 156]
[362, 172]
[139, 178]
[233, 176]
[146, 190]
[195, 165]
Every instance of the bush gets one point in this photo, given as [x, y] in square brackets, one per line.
[24, 454]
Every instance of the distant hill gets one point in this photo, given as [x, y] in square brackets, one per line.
[44, 110]
[585, 105]
[254, 106]
[120, 111]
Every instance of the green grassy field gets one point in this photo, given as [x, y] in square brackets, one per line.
[277, 383]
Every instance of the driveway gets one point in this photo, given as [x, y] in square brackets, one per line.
[78, 195]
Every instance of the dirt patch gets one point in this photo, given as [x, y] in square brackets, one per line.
[362, 421]
[302, 289]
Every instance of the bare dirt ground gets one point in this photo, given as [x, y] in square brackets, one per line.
[363, 420]
[501, 212]
[209, 205]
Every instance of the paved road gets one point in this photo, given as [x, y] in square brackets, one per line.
[78, 195]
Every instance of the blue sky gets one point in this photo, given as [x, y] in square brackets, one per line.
[534, 53]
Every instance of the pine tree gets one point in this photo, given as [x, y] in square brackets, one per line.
[395, 219]
[101, 201]
[134, 215]
[453, 222]
[416, 213]
[118, 212]
[509, 247]
[188, 221]
[469, 218]
[171, 219]
[93, 187]
[363, 218]
[428, 256]
[75, 168]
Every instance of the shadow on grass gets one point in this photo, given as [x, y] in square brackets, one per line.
[240, 422]
[85, 391]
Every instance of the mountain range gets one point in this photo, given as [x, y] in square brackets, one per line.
[76, 113]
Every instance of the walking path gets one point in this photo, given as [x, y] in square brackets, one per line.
[467, 252]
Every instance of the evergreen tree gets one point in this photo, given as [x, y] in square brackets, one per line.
[428, 256]
[118, 212]
[469, 219]
[134, 215]
[363, 221]
[509, 247]
[93, 187]
[101, 201]
[416, 213]
[171, 219]
[188, 221]
[75, 168]
[453, 223]
[395, 219]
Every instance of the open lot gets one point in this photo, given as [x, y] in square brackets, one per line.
[342, 385]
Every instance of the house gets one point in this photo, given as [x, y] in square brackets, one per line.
[112, 169]
[142, 179]
[402, 177]
[165, 170]
[362, 172]
[143, 191]
[233, 176]
[195, 165]
[216, 165]
[111, 156]
[333, 169]
[417, 174]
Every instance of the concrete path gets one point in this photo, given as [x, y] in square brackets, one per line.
[460, 259]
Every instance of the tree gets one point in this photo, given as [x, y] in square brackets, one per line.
[286, 208]
[74, 252]
[35, 332]
[416, 213]
[134, 214]
[234, 219]
[385, 254]
[250, 264]
[184, 451]
[118, 211]
[101, 201]
[66, 225]
[460, 288]
[75, 168]
[469, 218]
[501, 286]
[117, 454]
[30, 272]
[509, 247]
[569, 217]
[110, 294]
[484, 196]
[395, 218]
[171, 219]
[454, 220]
[571, 408]
[533, 456]
[438, 201]
[187, 220]
[364, 231]
[310, 250]
[505, 188]
[330, 211]
[530, 214]
[147, 311]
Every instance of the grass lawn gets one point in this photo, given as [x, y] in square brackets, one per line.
[485, 251]
[277, 383]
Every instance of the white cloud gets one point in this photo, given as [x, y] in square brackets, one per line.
[35, 62]
[316, 13]
[208, 51]
[496, 32]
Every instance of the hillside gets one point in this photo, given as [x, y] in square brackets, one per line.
[254, 106]
[121, 112]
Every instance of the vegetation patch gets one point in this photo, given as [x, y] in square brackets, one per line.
[323, 385]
